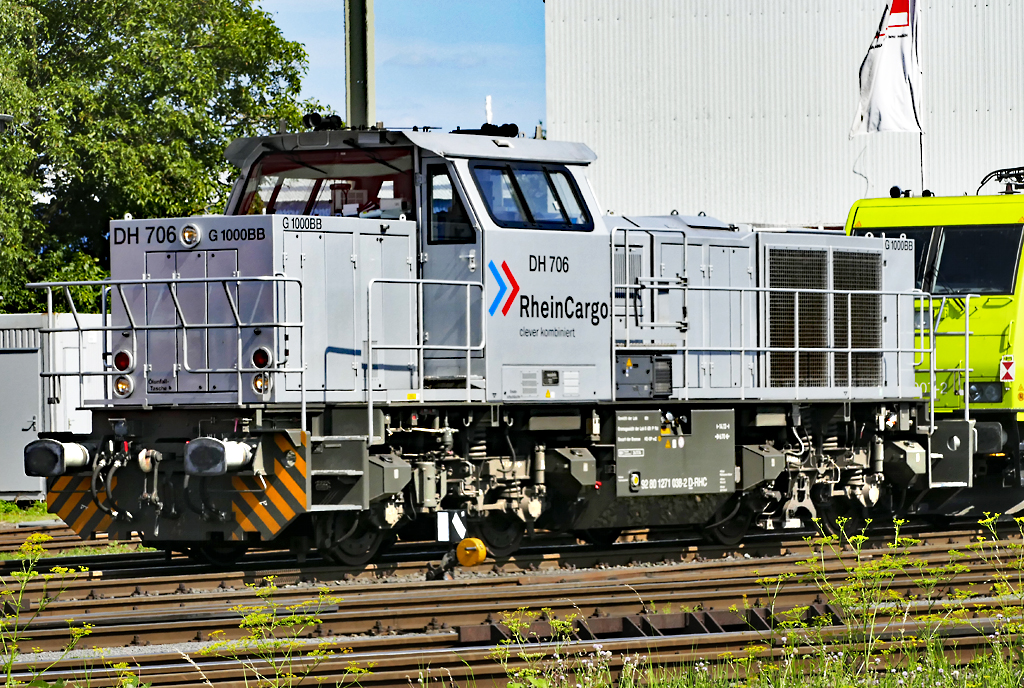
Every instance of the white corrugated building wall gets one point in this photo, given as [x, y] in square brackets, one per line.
[742, 108]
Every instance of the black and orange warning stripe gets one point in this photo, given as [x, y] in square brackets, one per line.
[70, 497]
[262, 504]
[266, 504]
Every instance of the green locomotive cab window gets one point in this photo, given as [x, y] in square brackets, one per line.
[977, 260]
[531, 195]
[968, 259]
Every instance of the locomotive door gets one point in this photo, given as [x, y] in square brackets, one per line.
[729, 270]
[451, 246]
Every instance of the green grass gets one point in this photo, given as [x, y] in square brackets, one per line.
[85, 551]
[12, 513]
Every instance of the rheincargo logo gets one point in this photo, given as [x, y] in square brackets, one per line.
[567, 308]
[502, 288]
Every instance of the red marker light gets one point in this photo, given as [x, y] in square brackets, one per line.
[597, 485]
[122, 360]
[261, 357]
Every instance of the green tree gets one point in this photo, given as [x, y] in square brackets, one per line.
[125, 107]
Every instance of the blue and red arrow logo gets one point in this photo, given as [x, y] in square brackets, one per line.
[502, 287]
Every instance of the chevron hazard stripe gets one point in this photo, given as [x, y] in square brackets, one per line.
[266, 504]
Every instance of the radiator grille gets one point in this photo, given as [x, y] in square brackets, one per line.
[797, 269]
[857, 318]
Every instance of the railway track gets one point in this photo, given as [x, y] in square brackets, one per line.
[181, 614]
[387, 609]
[687, 590]
[447, 654]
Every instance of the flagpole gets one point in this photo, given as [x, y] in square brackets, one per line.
[920, 139]
[920, 115]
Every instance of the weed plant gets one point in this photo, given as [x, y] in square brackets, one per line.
[275, 650]
[19, 611]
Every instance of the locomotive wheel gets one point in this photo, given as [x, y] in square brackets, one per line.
[841, 516]
[599, 537]
[733, 531]
[347, 539]
[221, 555]
[730, 523]
[501, 533]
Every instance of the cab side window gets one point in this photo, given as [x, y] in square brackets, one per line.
[529, 195]
[449, 222]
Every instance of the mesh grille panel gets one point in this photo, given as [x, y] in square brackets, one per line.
[635, 257]
[857, 318]
[662, 377]
[797, 269]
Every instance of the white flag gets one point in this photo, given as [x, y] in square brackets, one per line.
[890, 78]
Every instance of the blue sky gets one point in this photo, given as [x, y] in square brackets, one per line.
[436, 60]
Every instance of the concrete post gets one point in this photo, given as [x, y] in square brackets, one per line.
[361, 103]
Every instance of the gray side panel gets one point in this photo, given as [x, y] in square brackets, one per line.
[161, 348]
[343, 356]
[314, 279]
[192, 297]
[725, 320]
[290, 337]
[396, 321]
[697, 316]
[222, 343]
[19, 408]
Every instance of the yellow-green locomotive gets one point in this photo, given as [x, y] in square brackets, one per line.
[967, 257]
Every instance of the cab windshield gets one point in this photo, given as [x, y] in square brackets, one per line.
[351, 182]
[968, 259]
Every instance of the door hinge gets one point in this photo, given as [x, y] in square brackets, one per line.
[423, 257]
[417, 179]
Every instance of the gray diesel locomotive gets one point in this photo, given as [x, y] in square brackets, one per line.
[396, 333]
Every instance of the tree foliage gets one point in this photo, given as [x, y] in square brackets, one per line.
[125, 107]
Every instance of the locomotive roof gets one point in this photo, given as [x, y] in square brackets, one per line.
[242, 151]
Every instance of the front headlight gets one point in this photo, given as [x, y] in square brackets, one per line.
[123, 386]
[261, 383]
[986, 392]
[191, 236]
